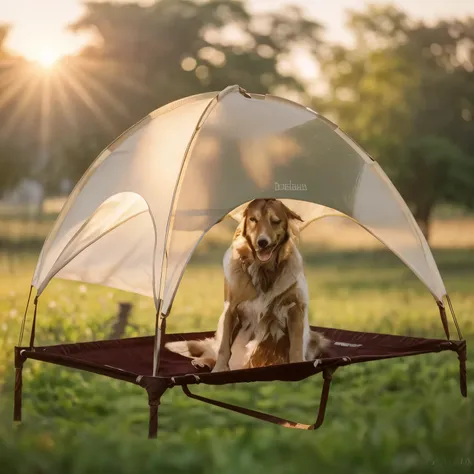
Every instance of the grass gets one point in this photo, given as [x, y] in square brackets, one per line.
[400, 416]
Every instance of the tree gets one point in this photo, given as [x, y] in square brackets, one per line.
[13, 150]
[405, 91]
[430, 170]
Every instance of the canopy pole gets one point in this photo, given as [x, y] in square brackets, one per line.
[160, 324]
[177, 189]
[160, 330]
[23, 322]
[444, 320]
[458, 329]
[33, 326]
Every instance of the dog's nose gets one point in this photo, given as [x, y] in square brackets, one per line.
[262, 242]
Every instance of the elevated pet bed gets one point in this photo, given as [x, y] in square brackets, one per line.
[135, 218]
[131, 360]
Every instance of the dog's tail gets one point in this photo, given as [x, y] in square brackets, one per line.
[317, 346]
[192, 349]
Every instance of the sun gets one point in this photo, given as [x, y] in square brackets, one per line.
[47, 58]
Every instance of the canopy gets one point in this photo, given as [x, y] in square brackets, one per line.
[136, 216]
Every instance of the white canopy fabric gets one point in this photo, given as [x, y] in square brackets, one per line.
[136, 216]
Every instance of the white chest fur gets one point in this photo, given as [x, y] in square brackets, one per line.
[252, 311]
[291, 274]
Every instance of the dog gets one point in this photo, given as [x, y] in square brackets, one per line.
[265, 316]
[238, 287]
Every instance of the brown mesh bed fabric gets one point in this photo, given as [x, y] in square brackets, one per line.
[131, 360]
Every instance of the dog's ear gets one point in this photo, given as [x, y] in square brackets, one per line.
[238, 213]
[291, 214]
[241, 229]
[293, 226]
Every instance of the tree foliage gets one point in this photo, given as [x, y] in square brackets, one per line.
[13, 150]
[405, 90]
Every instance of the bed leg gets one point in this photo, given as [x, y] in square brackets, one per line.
[18, 394]
[327, 379]
[155, 388]
[18, 391]
[462, 370]
[153, 422]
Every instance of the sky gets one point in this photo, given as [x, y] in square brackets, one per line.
[40, 26]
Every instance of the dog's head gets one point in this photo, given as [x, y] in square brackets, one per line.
[267, 225]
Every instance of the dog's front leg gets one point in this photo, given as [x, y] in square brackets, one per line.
[295, 323]
[224, 336]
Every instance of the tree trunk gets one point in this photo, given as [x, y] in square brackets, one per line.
[422, 216]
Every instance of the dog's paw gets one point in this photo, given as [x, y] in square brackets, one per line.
[246, 262]
[202, 362]
[221, 368]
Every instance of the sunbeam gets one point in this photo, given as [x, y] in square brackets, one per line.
[47, 58]
[93, 84]
[17, 84]
[111, 68]
[45, 114]
[26, 88]
[87, 99]
[57, 84]
[22, 106]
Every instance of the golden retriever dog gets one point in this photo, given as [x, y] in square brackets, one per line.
[265, 316]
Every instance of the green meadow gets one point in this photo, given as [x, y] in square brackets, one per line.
[403, 415]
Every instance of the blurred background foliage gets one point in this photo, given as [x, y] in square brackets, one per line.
[406, 93]
[404, 89]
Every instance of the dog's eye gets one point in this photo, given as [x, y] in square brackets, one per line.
[252, 219]
[276, 221]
